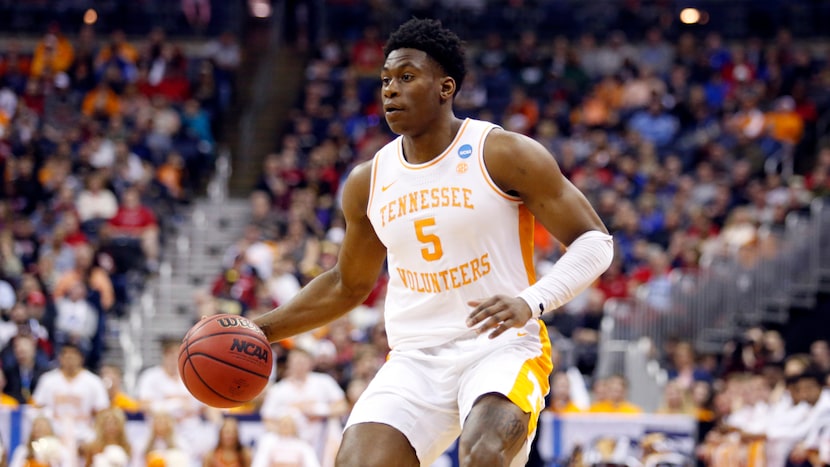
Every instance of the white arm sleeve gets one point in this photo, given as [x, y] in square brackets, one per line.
[586, 258]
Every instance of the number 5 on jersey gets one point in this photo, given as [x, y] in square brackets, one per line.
[432, 250]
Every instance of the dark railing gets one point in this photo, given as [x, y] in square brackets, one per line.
[716, 303]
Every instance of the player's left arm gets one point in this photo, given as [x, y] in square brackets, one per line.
[521, 166]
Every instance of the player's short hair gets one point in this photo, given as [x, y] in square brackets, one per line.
[813, 374]
[169, 343]
[441, 44]
[71, 345]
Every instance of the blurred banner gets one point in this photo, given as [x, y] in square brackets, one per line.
[626, 439]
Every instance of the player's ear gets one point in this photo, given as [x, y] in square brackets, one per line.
[447, 88]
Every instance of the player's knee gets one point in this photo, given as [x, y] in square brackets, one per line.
[375, 445]
[494, 433]
[483, 451]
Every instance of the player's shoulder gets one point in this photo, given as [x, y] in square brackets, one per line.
[504, 142]
[513, 160]
[386, 152]
[152, 373]
[282, 388]
[509, 150]
[362, 170]
[50, 375]
[87, 376]
[320, 377]
[356, 186]
[97, 379]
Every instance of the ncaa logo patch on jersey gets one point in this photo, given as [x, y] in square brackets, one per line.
[465, 151]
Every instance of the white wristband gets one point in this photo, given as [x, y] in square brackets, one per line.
[584, 261]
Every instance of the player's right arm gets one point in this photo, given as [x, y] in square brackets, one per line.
[348, 283]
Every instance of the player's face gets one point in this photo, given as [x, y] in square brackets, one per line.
[228, 434]
[561, 386]
[411, 84]
[70, 359]
[615, 390]
[110, 423]
[809, 390]
[299, 363]
[41, 427]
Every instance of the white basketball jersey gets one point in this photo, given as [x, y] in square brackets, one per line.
[451, 234]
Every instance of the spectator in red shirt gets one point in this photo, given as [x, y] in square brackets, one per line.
[367, 53]
[656, 265]
[236, 288]
[136, 221]
[613, 283]
[71, 227]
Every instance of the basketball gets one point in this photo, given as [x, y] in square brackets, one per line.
[225, 360]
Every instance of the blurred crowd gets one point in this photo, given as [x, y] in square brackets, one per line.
[103, 140]
[689, 145]
[757, 406]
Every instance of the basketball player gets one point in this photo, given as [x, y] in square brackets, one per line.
[450, 204]
[71, 395]
[160, 390]
[317, 399]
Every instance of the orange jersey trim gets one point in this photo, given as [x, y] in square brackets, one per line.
[538, 369]
[375, 164]
[483, 167]
[438, 159]
[526, 230]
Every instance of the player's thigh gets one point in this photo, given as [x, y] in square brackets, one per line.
[375, 445]
[495, 427]
[414, 397]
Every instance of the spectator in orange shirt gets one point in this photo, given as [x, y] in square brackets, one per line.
[101, 101]
[113, 381]
[5, 124]
[118, 48]
[593, 112]
[110, 434]
[784, 124]
[676, 400]
[171, 174]
[560, 401]
[613, 398]
[6, 400]
[522, 113]
[53, 54]
[229, 450]
[59, 452]
[86, 271]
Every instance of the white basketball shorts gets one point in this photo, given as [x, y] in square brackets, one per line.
[426, 394]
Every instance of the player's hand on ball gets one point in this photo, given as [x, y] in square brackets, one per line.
[498, 313]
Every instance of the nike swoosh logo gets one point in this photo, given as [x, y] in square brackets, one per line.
[386, 187]
[521, 334]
